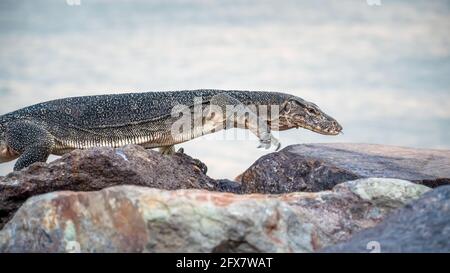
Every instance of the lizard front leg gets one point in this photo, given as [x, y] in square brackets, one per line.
[30, 140]
[246, 117]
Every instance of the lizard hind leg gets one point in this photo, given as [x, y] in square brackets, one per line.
[30, 156]
[31, 141]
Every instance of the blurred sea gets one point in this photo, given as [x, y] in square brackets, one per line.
[382, 71]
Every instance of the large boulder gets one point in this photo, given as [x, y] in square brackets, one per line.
[422, 226]
[316, 167]
[142, 219]
[98, 168]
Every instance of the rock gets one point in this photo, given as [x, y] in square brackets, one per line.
[387, 192]
[316, 167]
[227, 185]
[422, 226]
[98, 168]
[135, 200]
[142, 219]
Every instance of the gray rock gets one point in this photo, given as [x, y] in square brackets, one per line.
[422, 226]
[141, 219]
[316, 167]
[98, 168]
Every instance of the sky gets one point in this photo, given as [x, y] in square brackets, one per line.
[381, 71]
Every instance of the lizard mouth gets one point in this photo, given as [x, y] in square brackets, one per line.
[7, 154]
[332, 129]
[327, 132]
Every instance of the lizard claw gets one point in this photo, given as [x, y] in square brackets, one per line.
[278, 146]
[263, 145]
[267, 141]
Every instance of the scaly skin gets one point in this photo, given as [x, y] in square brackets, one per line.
[60, 126]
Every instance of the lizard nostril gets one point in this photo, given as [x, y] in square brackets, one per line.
[336, 125]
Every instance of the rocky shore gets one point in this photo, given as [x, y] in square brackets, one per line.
[305, 198]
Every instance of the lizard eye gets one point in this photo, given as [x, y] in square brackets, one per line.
[313, 111]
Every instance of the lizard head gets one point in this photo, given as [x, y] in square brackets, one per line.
[296, 112]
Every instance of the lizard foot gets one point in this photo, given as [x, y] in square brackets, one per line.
[267, 141]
